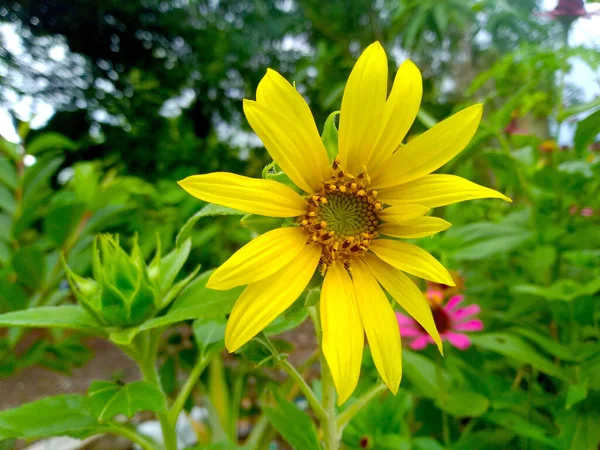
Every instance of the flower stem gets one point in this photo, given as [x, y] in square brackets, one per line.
[132, 435]
[305, 388]
[346, 416]
[146, 361]
[443, 398]
[187, 388]
[331, 436]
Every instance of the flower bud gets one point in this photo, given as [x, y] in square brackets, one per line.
[122, 293]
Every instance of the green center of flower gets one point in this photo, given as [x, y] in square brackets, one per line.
[342, 217]
[347, 215]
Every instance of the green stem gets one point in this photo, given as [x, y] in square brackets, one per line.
[187, 388]
[305, 388]
[346, 416]
[132, 435]
[443, 397]
[146, 360]
[258, 431]
[331, 436]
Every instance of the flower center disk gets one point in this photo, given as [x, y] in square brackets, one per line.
[342, 217]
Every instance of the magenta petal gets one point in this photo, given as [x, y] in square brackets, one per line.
[471, 325]
[404, 320]
[459, 340]
[465, 312]
[408, 331]
[453, 302]
[420, 343]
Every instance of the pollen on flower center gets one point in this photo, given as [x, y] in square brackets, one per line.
[342, 217]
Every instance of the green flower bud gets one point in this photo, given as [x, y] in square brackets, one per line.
[122, 293]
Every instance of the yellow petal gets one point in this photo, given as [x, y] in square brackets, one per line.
[259, 258]
[362, 108]
[263, 301]
[412, 259]
[380, 325]
[430, 150]
[400, 214]
[406, 293]
[298, 151]
[343, 334]
[437, 190]
[262, 197]
[278, 94]
[399, 113]
[416, 228]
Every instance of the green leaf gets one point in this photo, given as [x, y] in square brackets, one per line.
[330, 136]
[30, 265]
[208, 211]
[490, 439]
[421, 372]
[260, 224]
[564, 290]
[38, 174]
[575, 394]
[64, 316]
[586, 131]
[171, 265]
[426, 443]
[463, 403]
[198, 298]
[7, 201]
[210, 334]
[493, 246]
[521, 426]
[8, 173]
[513, 347]
[294, 425]
[62, 221]
[548, 344]
[108, 399]
[49, 141]
[576, 109]
[426, 119]
[579, 430]
[60, 415]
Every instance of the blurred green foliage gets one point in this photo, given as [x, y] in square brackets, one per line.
[149, 92]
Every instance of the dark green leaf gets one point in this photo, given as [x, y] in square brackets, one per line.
[62, 221]
[294, 425]
[108, 399]
[65, 316]
[49, 141]
[38, 174]
[551, 346]
[522, 427]
[30, 265]
[513, 347]
[579, 430]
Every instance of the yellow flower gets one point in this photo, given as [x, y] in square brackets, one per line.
[375, 190]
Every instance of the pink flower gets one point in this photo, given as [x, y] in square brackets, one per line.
[450, 321]
[586, 212]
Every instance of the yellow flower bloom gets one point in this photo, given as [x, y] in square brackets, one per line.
[377, 188]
